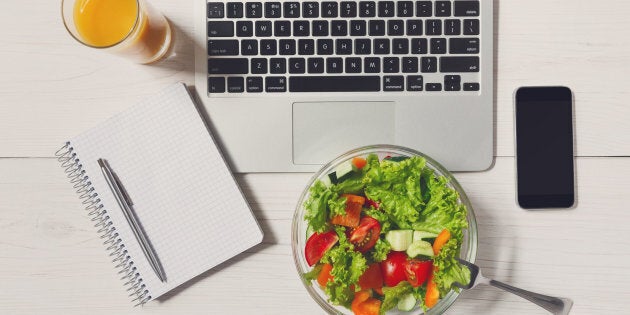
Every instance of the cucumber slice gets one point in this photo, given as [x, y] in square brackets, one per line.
[420, 248]
[343, 170]
[399, 240]
[326, 181]
[421, 235]
[407, 302]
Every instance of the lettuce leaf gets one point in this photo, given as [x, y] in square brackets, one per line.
[393, 294]
[316, 210]
[337, 206]
[380, 251]
[449, 269]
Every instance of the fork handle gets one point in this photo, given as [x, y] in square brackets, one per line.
[555, 305]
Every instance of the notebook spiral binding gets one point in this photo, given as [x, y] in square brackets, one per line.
[73, 168]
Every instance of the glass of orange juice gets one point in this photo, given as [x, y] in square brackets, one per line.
[131, 28]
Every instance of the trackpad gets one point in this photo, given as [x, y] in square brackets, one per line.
[325, 130]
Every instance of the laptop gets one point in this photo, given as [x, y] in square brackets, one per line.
[290, 85]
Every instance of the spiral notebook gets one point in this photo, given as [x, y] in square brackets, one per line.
[184, 195]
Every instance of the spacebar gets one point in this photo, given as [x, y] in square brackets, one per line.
[335, 84]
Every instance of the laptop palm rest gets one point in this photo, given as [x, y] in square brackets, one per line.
[325, 130]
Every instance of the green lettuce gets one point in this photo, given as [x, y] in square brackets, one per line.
[337, 206]
[316, 207]
[393, 294]
[380, 251]
[449, 269]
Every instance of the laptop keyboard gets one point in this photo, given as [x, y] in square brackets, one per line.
[343, 46]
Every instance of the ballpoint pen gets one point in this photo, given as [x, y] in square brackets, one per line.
[126, 204]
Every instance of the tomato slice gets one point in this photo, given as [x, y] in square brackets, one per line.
[354, 205]
[324, 275]
[366, 234]
[371, 203]
[393, 268]
[371, 278]
[418, 271]
[318, 244]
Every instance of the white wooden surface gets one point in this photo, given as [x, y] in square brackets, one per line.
[51, 261]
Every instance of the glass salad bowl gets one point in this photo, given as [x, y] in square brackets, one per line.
[468, 250]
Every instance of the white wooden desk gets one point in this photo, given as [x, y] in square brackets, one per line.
[51, 88]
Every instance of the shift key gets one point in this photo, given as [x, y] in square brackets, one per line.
[227, 66]
[459, 64]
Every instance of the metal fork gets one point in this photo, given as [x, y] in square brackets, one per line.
[555, 305]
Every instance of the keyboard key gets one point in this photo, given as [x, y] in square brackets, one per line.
[362, 46]
[324, 47]
[291, 9]
[235, 10]
[220, 29]
[273, 10]
[316, 65]
[367, 9]
[434, 27]
[424, 8]
[301, 28]
[393, 83]
[471, 27]
[216, 10]
[419, 46]
[334, 83]
[433, 87]
[348, 9]
[429, 64]
[414, 83]
[353, 65]
[249, 47]
[459, 64]
[395, 27]
[442, 8]
[235, 84]
[334, 65]
[358, 28]
[254, 84]
[310, 9]
[227, 66]
[329, 9]
[372, 65]
[405, 9]
[259, 65]
[410, 65]
[268, 47]
[381, 46]
[400, 46]
[217, 47]
[386, 8]
[452, 27]
[306, 47]
[297, 65]
[244, 29]
[391, 65]
[339, 28]
[438, 46]
[463, 46]
[253, 9]
[275, 84]
[466, 8]
[377, 27]
[277, 65]
[263, 28]
[414, 27]
[452, 83]
[216, 85]
[343, 46]
[471, 86]
[287, 47]
[282, 28]
[320, 28]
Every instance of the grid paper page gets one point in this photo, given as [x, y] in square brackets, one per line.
[183, 193]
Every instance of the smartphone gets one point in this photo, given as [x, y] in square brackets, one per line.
[544, 147]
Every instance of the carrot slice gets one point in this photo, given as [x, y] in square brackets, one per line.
[354, 205]
[359, 162]
[324, 275]
[440, 240]
[433, 294]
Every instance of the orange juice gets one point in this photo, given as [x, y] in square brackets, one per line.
[130, 27]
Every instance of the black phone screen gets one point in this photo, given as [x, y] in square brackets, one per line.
[544, 147]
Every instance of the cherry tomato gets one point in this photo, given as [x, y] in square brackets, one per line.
[366, 234]
[371, 278]
[393, 268]
[318, 244]
[418, 271]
